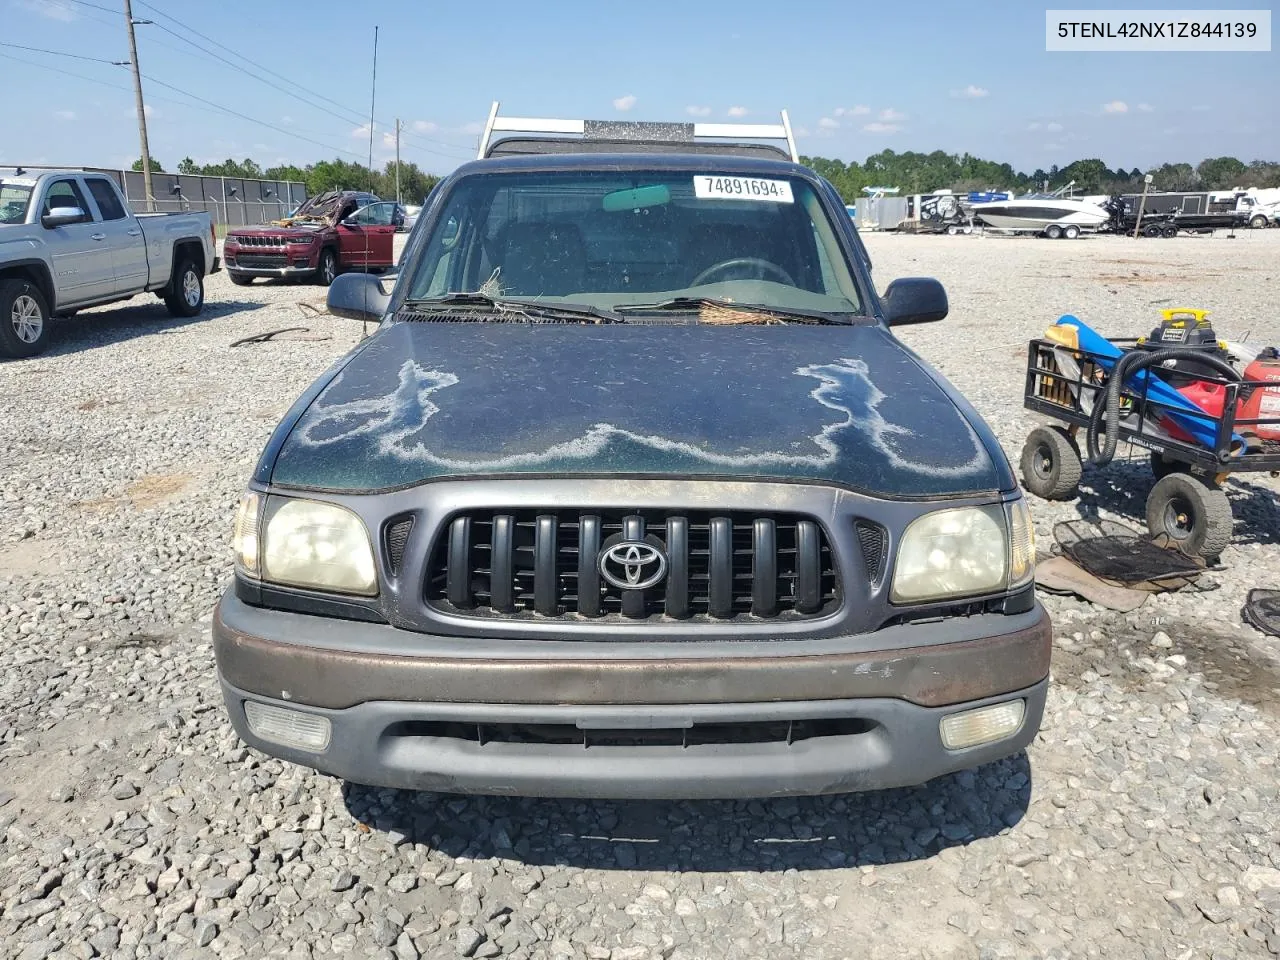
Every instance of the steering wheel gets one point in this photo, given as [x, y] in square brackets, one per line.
[727, 266]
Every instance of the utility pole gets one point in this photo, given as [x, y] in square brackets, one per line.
[141, 108]
[399, 126]
[373, 99]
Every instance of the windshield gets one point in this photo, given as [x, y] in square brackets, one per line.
[14, 198]
[611, 239]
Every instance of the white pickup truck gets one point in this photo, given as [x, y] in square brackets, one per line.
[69, 241]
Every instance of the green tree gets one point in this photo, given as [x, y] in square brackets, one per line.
[1221, 173]
[286, 172]
[188, 166]
[155, 166]
[1174, 177]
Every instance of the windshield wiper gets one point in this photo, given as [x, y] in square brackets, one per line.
[696, 303]
[571, 310]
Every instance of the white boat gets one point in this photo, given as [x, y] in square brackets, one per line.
[1049, 213]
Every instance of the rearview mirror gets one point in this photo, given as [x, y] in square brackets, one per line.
[63, 216]
[358, 296]
[350, 222]
[914, 300]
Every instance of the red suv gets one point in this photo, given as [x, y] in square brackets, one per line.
[332, 232]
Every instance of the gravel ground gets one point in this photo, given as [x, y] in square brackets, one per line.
[134, 824]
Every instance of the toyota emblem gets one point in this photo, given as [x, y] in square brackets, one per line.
[633, 565]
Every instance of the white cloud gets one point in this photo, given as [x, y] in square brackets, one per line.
[361, 132]
[698, 111]
[65, 114]
[801, 131]
[1146, 107]
[424, 126]
[890, 115]
[474, 127]
[1033, 126]
[389, 140]
[737, 111]
[1115, 106]
[860, 110]
[625, 103]
[881, 128]
[286, 120]
[1052, 147]
[1053, 127]
[826, 123]
[971, 92]
[52, 9]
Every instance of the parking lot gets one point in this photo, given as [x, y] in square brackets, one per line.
[134, 824]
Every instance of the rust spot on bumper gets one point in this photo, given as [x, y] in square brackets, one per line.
[931, 676]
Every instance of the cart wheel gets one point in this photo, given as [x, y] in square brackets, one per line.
[1070, 231]
[1151, 230]
[1196, 516]
[1162, 467]
[1051, 464]
[953, 230]
[1053, 231]
[1169, 232]
[969, 229]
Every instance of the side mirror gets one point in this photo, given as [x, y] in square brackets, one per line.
[63, 216]
[914, 300]
[358, 296]
[349, 222]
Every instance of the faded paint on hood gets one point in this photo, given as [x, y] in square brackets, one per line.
[828, 403]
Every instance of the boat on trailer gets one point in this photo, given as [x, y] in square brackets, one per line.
[1051, 214]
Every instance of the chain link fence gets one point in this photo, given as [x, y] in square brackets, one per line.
[230, 201]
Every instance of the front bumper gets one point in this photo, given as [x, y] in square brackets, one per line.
[273, 271]
[395, 717]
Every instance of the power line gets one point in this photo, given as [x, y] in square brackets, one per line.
[72, 56]
[456, 152]
[209, 103]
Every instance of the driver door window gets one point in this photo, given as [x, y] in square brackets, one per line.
[368, 235]
[82, 261]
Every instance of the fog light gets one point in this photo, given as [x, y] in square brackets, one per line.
[983, 725]
[289, 728]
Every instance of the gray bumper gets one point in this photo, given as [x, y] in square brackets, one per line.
[272, 271]
[415, 719]
[383, 744]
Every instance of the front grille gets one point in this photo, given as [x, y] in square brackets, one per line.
[546, 563]
[261, 241]
[786, 732]
[269, 261]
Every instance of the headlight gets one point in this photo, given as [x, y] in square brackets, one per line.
[304, 543]
[317, 545]
[952, 553]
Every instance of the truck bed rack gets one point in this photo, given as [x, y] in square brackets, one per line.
[630, 136]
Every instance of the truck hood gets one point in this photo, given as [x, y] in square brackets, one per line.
[268, 231]
[421, 401]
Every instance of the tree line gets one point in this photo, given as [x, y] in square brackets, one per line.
[415, 184]
[914, 172]
[911, 172]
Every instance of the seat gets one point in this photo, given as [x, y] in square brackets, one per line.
[543, 259]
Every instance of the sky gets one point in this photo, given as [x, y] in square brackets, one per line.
[855, 78]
